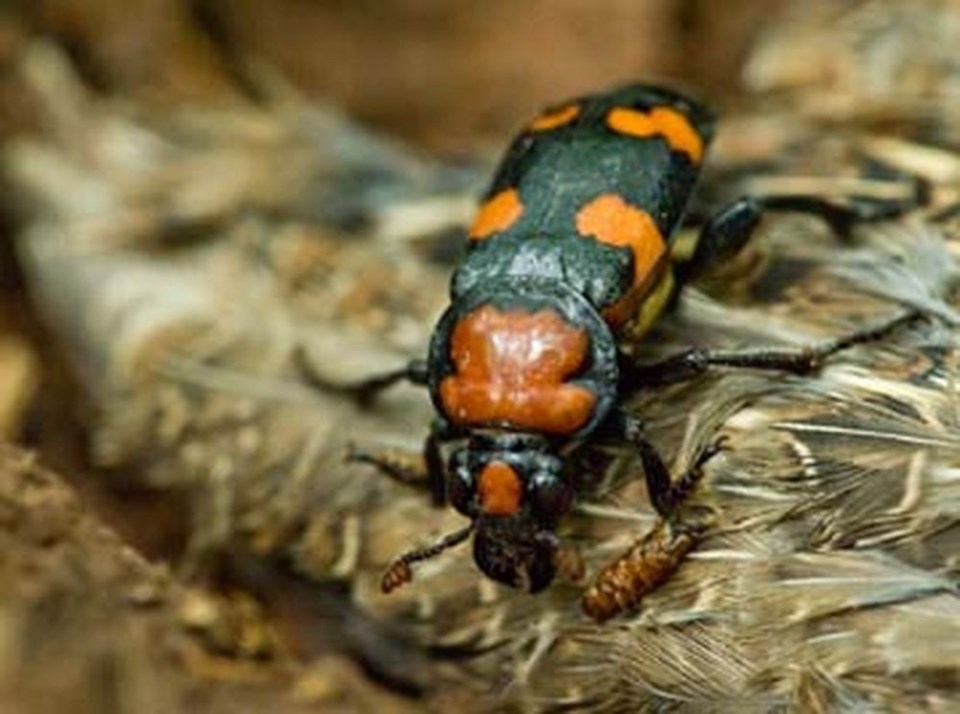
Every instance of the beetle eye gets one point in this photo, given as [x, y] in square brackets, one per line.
[461, 489]
[550, 496]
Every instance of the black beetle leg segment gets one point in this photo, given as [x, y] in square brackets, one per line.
[694, 362]
[366, 390]
[666, 495]
[729, 229]
[414, 372]
[721, 238]
[841, 218]
[436, 473]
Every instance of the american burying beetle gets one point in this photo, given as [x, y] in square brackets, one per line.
[568, 265]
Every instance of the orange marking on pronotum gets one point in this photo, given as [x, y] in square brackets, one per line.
[555, 119]
[498, 213]
[511, 368]
[499, 489]
[659, 121]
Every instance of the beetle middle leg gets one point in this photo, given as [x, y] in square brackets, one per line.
[666, 493]
[652, 559]
[694, 362]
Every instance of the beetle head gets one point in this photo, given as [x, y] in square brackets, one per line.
[513, 487]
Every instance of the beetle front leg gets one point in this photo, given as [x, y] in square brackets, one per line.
[425, 471]
[366, 390]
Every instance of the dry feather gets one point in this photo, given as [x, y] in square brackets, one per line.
[828, 577]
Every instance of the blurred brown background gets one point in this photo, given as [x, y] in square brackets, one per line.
[444, 75]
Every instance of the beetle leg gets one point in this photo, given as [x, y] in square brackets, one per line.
[694, 362]
[655, 471]
[721, 237]
[666, 495]
[366, 390]
[436, 473]
[730, 229]
[403, 467]
[652, 559]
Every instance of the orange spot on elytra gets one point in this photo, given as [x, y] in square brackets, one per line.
[497, 214]
[659, 121]
[499, 489]
[555, 119]
[613, 221]
[511, 368]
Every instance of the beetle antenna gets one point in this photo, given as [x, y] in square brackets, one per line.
[399, 573]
